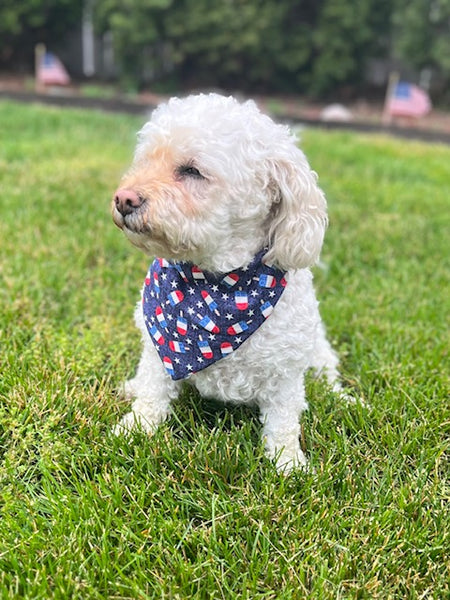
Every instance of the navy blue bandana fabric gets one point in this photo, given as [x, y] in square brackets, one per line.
[196, 318]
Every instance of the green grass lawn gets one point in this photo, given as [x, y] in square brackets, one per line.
[197, 511]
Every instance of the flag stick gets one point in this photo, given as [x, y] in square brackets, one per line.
[39, 52]
[392, 83]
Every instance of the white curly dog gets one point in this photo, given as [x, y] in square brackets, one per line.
[228, 203]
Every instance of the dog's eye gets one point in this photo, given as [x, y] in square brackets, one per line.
[189, 171]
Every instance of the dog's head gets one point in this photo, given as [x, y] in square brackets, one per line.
[213, 181]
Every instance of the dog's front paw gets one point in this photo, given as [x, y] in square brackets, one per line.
[286, 461]
[287, 457]
[346, 396]
[129, 389]
[134, 421]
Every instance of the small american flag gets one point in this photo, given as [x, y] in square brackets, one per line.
[51, 71]
[408, 100]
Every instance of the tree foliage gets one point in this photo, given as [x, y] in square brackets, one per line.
[287, 45]
[312, 46]
[303, 46]
[347, 35]
[25, 23]
[421, 34]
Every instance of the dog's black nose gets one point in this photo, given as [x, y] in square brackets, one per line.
[127, 201]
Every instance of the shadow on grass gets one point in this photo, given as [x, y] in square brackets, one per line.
[192, 410]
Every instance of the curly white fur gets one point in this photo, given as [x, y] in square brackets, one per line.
[212, 182]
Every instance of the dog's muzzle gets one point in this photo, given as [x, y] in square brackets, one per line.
[126, 203]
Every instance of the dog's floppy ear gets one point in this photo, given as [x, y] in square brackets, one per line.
[299, 212]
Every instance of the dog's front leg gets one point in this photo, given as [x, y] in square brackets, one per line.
[152, 390]
[280, 416]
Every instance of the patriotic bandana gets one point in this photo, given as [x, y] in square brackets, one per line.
[195, 317]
